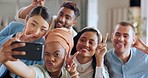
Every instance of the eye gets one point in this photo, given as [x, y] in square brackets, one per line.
[43, 30]
[46, 54]
[57, 54]
[67, 17]
[33, 24]
[126, 36]
[91, 42]
[82, 40]
[117, 34]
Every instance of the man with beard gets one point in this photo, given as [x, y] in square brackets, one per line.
[66, 16]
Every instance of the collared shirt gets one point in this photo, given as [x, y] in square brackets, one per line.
[41, 72]
[135, 67]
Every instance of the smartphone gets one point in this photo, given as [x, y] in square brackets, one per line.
[34, 51]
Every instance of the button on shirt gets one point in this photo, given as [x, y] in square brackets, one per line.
[135, 67]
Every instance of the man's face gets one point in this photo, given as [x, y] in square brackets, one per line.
[65, 18]
[35, 27]
[123, 38]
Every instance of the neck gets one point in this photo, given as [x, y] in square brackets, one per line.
[124, 56]
[83, 60]
[56, 74]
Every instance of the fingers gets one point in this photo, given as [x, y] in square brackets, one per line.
[71, 68]
[72, 58]
[9, 42]
[143, 44]
[105, 39]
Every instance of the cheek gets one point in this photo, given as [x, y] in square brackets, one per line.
[93, 49]
[78, 46]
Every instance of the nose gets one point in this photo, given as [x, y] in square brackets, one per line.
[121, 38]
[62, 19]
[51, 58]
[86, 43]
[37, 32]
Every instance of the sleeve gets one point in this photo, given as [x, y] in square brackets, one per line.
[17, 16]
[9, 31]
[101, 72]
[3, 71]
[5, 34]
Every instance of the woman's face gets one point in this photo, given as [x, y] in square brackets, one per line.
[87, 44]
[36, 27]
[54, 56]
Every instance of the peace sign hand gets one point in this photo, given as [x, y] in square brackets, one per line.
[101, 51]
[71, 65]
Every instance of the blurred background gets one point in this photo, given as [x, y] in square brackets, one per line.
[103, 14]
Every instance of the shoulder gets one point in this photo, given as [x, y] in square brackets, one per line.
[65, 73]
[41, 71]
[14, 23]
[110, 52]
[137, 52]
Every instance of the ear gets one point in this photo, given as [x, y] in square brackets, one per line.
[26, 19]
[112, 37]
[134, 39]
[74, 22]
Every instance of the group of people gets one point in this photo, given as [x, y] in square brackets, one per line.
[68, 54]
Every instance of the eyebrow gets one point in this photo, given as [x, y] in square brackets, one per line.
[35, 21]
[38, 23]
[86, 38]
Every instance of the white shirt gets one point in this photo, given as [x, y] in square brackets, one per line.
[86, 70]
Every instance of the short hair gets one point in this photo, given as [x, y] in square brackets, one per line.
[71, 5]
[126, 24]
[40, 10]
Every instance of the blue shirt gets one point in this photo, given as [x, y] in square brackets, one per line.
[135, 67]
[6, 34]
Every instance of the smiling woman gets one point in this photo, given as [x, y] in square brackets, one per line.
[34, 29]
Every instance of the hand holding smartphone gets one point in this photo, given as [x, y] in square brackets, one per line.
[34, 51]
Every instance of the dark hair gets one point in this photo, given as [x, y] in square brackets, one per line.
[126, 24]
[76, 38]
[40, 10]
[73, 6]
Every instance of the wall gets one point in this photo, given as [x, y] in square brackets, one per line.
[8, 9]
[104, 6]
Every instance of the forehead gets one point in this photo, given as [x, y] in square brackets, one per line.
[39, 20]
[123, 29]
[66, 11]
[89, 35]
[53, 47]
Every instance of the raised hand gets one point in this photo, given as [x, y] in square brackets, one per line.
[71, 66]
[38, 2]
[101, 51]
[20, 36]
[140, 45]
[6, 51]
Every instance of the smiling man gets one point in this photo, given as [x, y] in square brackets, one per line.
[125, 61]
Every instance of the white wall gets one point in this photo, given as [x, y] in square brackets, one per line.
[103, 7]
